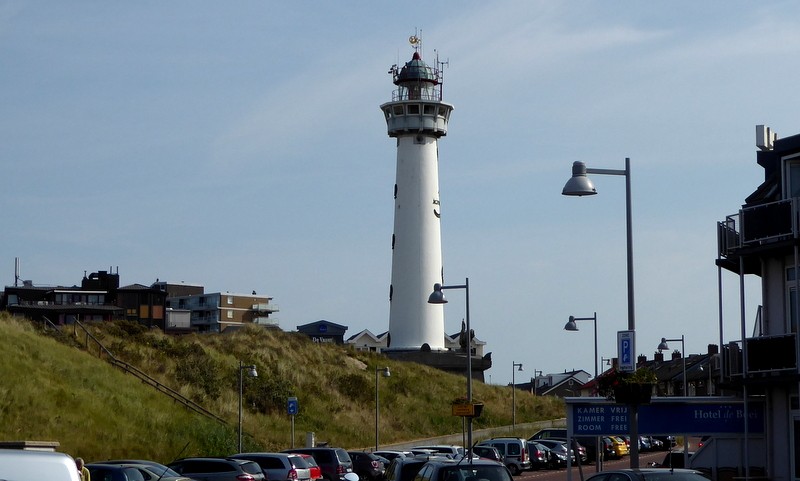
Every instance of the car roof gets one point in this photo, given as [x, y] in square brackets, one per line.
[652, 470]
[478, 461]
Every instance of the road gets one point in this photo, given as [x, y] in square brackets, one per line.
[561, 474]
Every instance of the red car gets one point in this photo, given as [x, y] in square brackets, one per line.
[316, 472]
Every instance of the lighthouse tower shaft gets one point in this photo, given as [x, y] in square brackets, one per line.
[417, 118]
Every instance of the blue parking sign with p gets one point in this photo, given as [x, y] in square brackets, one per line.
[291, 406]
[626, 350]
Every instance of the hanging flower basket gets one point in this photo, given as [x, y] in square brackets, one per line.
[633, 393]
[626, 387]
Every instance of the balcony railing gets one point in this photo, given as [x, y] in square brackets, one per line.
[759, 225]
[765, 355]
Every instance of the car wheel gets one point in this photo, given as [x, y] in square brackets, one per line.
[514, 470]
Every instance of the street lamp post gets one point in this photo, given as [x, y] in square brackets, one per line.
[572, 325]
[663, 345]
[251, 371]
[437, 297]
[514, 394]
[386, 373]
[579, 185]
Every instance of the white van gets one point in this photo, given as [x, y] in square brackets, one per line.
[514, 452]
[24, 465]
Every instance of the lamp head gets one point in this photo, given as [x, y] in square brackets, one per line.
[386, 372]
[437, 296]
[520, 367]
[579, 184]
[663, 345]
[571, 325]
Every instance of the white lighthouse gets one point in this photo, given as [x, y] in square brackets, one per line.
[417, 118]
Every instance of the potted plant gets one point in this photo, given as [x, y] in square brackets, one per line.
[627, 387]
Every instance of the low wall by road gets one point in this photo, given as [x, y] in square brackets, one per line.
[524, 430]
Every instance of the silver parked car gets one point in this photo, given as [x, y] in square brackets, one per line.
[280, 466]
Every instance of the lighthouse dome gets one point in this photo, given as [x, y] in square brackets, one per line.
[416, 70]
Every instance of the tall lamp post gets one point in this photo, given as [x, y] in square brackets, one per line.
[251, 371]
[663, 346]
[437, 297]
[579, 185]
[386, 373]
[514, 394]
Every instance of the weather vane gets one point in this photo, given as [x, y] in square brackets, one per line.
[416, 41]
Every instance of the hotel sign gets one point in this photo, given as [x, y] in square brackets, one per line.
[667, 417]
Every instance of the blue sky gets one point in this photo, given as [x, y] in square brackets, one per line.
[239, 145]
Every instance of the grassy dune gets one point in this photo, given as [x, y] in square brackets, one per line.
[55, 390]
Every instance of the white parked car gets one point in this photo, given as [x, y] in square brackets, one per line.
[22, 465]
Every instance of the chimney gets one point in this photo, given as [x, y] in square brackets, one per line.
[676, 354]
[713, 349]
[641, 360]
[658, 356]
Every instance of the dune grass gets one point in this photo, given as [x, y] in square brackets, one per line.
[53, 390]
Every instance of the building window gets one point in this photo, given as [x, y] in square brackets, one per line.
[791, 187]
[230, 314]
[791, 301]
[230, 300]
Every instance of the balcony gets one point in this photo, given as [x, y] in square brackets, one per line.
[756, 229]
[768, 358]
[265, 308]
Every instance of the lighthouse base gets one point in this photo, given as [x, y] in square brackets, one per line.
[448, 361]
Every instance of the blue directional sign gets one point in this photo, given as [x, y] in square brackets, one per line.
[291, 406]
[626, 350]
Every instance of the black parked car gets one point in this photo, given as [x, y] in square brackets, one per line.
[445, 469]
[218, 469]
[113, 472]
[162, 471]
[539, 455]
[405, 468]
[367, 466]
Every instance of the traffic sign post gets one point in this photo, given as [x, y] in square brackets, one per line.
[626, 350]
[292, 408]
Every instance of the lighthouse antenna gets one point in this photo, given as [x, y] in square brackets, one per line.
[440, 71]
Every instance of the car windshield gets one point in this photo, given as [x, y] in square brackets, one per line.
[133, 474]
[251, 468]
[298, 462]
[474, 473]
